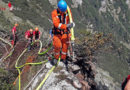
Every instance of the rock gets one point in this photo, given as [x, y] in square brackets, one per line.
[85, 85]
[77, 84]
[48, 65]
[104, 80]
[128, 3]
[76, 3]
[53, 2]
[80, 76]
[75, 67]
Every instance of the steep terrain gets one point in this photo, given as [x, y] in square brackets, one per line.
[102, 40]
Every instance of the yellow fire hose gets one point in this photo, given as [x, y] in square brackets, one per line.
[47, 75]
[71, 21]
[39, 52]
[72, 32]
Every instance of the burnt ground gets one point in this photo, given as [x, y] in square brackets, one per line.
[28, 57]
[20, 46]
[85, 58]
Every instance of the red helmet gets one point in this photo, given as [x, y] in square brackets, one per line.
[16, 24]
[36, 28]
[31, 30]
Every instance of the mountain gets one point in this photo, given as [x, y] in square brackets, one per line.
[108, 18]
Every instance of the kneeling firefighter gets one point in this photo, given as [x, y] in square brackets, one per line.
[61, 31]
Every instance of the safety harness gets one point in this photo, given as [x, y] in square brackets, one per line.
[55, 30]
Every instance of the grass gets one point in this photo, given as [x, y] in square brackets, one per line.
[5, 80]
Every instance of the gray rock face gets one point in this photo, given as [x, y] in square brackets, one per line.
[103, 78]
[128, 3]
[56, 81]
[76, 3]
[53, 2]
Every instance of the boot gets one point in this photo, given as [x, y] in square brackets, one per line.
[65, 63]
[29, 47]
[54, 61]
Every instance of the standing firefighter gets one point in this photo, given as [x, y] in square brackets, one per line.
[14, 35]
[29, 37]
[61, 31]
[36, 34]
[10, 6]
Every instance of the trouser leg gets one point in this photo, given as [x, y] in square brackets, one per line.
[29, 44]
[57, 46]
[64, 46]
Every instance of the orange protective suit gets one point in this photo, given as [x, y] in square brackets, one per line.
[61, 34]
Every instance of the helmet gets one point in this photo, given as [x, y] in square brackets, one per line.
[62, 5]
[36, 28]
[16, 24]
[31, 30]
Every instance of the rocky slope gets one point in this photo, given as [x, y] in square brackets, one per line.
[108, 17]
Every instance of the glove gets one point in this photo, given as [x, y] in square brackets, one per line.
[69, 26]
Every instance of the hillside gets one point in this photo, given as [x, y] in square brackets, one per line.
[102, 38]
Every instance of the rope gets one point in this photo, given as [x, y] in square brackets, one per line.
[72, 32]
[47, 75]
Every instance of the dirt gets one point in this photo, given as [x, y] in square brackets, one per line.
[28, 57]
[26, 69]
[3, 49]
[17, 51]
[85, 57]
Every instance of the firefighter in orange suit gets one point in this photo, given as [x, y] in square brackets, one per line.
[61, 31]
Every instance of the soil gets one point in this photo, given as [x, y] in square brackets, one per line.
[2, 51]
[20, 46]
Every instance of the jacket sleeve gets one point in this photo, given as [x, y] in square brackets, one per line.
[56, 21]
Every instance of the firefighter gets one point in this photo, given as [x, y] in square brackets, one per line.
[10, 6]
[61, 31]
[29, 37]
[14, 35]
[36, 34]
